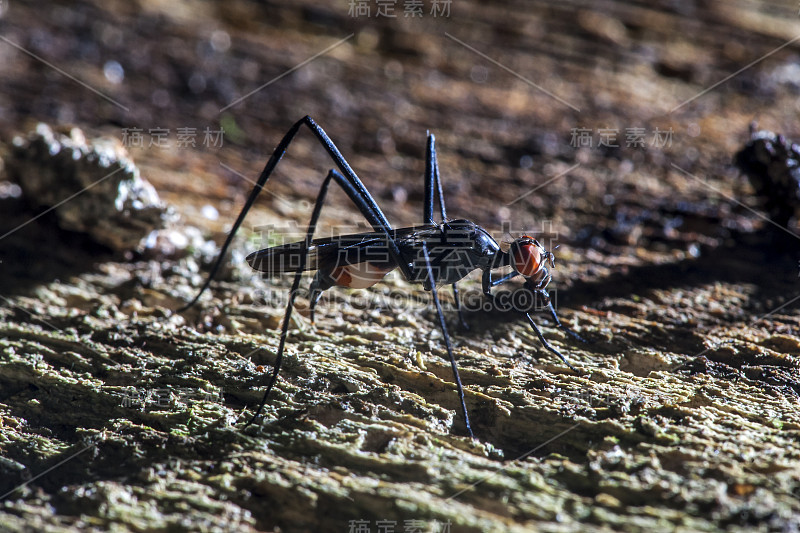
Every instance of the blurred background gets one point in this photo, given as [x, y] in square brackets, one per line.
[606, 95]
[607, 128]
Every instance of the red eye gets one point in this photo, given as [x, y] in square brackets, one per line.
[528, 256]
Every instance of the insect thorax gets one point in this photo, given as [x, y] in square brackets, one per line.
[461, 248]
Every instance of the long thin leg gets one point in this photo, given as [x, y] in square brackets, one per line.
[487, 281]
[458, 308]
[487, 284]
[504, 279]
[438, 180]
[433, 183]
[558, 322]
[447, 339]
[293, 292]
[433, 192]
[322, 282]
[354, 188]
[538, 287]
[548, 345]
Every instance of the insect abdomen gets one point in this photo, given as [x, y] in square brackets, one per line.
[358, 275]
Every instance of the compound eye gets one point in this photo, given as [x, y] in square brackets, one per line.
[528, 256]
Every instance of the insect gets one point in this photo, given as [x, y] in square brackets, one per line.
[433, 254]
[772, 164]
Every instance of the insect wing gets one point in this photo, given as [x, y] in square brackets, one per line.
[283, 258]
[332, 252]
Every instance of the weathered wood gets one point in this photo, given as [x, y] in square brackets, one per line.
[117, 413]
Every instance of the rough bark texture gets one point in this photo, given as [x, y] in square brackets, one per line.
[118, 413]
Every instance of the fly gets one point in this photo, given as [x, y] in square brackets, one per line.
[433, 254]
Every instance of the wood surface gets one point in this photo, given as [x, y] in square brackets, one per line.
[116, 413]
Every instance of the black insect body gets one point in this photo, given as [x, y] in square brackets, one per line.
[455, 248]
[772, 164]
[433, 254]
